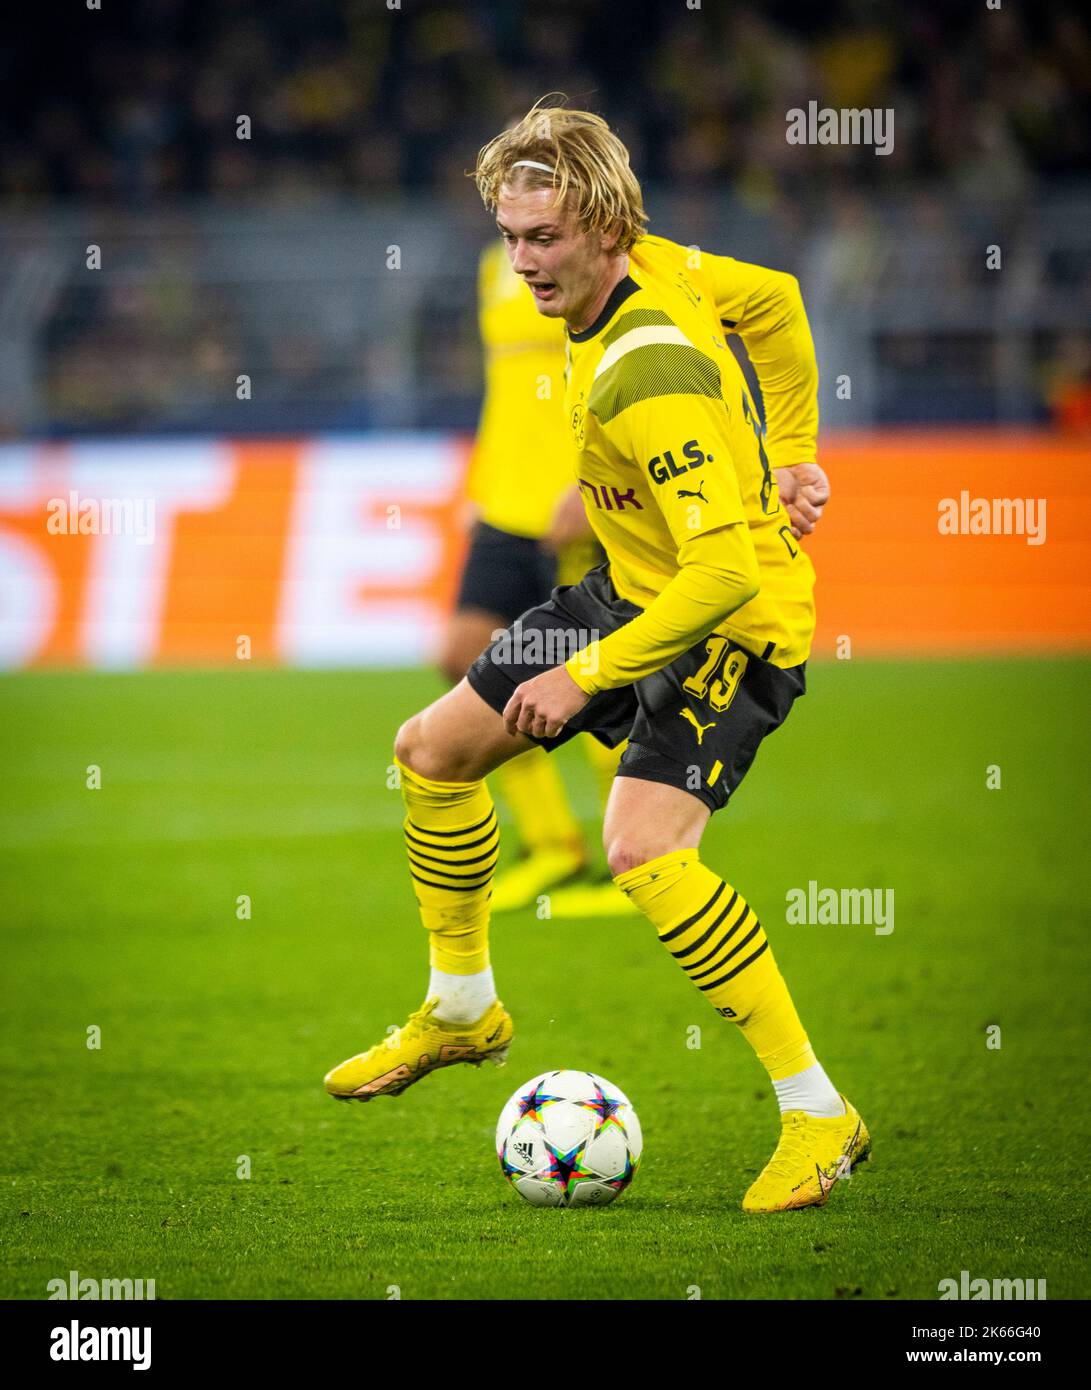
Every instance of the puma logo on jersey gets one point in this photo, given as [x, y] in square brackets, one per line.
[688, 290]
[702, 729]
[682, 492]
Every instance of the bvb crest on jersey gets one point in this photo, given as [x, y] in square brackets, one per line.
[578, 424]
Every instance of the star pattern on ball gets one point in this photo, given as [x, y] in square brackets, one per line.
[604, 1106]
[532, 1102]
[565, 1163]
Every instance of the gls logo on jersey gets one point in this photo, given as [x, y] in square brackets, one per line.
[663, 466]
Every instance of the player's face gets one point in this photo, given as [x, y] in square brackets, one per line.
[564, 266]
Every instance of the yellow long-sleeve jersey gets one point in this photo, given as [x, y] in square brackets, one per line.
[522, 459]
[672, 463]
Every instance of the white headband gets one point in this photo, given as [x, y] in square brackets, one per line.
[532, 164]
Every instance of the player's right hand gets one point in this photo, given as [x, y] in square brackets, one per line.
[543, 705]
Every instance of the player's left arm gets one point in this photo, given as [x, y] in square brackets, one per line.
[765, 308]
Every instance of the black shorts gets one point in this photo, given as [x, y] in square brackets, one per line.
[695, 724]
[505, 574]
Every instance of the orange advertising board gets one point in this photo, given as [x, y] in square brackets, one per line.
[923, 548]
[345, 551]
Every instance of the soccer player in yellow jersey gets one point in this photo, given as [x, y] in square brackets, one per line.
[530, 529]
[691, 640]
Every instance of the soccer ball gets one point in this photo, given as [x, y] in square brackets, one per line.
[568, 1139]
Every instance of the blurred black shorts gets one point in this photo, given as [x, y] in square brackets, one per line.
[695, 724]
[507, 574]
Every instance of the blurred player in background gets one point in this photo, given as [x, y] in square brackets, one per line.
[530, 532]
[691, 641]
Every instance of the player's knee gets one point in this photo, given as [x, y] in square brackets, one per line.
[407, 741]
[419, 746]
[628, 851]
[416, 750]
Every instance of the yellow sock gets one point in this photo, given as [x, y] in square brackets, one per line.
[532, 787]
[718, 941]
[603, 762]
[453, 842]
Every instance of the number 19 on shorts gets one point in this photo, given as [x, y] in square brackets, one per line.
[717, 677]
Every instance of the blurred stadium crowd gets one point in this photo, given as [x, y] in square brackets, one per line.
[356, 97]
[355, 108]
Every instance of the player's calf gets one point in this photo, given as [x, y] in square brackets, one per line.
[452, 843]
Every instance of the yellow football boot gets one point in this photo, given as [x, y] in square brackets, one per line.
[527, 879]
[594, 899]
[812, 1154]
[422, 1045]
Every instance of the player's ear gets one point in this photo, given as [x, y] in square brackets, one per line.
[610, 238]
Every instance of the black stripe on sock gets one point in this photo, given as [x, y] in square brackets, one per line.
[694, 965]
[732, 973]
[483, 874]
[733, 952]
[450, 888]
[696, 945]
[684, 926]
[465, 830]
[453, 849]
[415, 854]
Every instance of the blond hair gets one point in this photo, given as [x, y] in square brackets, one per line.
[583, 157]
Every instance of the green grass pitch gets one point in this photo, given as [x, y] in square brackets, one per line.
[119, 912]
